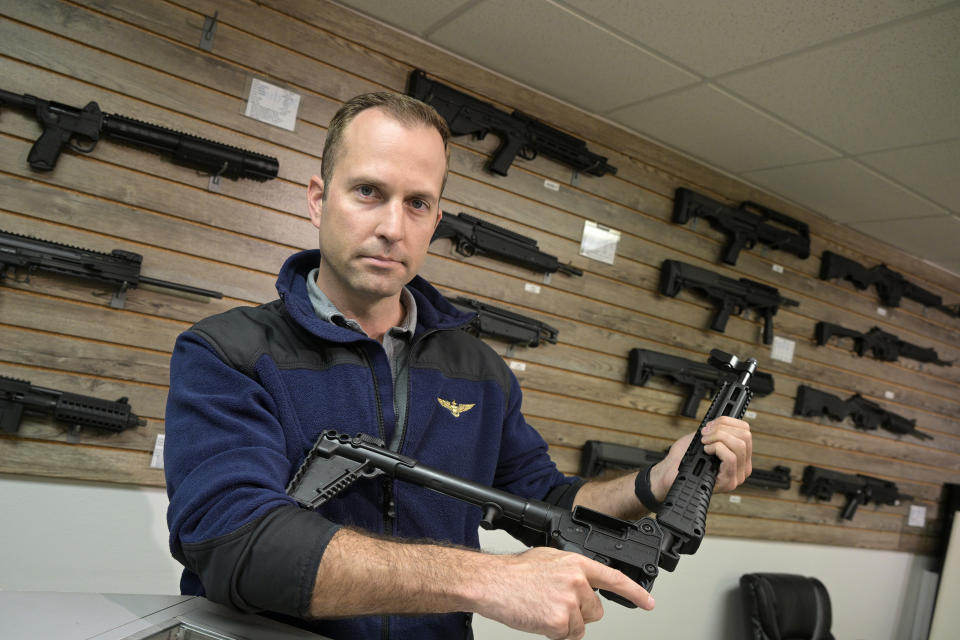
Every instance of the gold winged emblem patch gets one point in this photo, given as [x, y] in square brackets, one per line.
[453, 407]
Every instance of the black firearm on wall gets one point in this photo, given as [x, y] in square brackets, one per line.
[701, 377]
[728, 294]
[865, 414]
[519, 133]
[884, 346]
[19, 396]
[118, 268]
[503, 324]
[637, 548]
[598, 456]
[471, 236]
[80, 129]
[891, 286]
[859, 489]
[745, 225]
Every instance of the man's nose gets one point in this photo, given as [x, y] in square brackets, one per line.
[390, 226]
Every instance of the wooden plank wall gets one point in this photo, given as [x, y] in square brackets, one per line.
[141, 58]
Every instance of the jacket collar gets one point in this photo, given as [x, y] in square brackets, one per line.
[433, 310]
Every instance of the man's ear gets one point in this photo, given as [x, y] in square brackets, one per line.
[315, 199]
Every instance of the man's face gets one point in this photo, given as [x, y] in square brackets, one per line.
[381, 207]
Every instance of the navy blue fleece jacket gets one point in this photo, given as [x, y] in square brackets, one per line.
[251, 390]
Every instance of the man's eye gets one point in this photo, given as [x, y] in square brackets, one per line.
[417, 203]
[365, 190]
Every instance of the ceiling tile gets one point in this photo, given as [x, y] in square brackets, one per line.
[933, 170]
[709, 124]
[413, 16]
[550, 49]
[935, 239]
[891, 87]
[715, 37]
[845, 191]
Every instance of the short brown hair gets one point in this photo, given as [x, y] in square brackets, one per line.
[406, 110]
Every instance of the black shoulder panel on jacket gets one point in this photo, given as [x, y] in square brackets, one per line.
[460, 355]
[240, 336]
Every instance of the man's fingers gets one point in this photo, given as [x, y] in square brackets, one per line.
[731, 441]
[603, 577]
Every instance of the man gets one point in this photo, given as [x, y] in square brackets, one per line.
[359, 343]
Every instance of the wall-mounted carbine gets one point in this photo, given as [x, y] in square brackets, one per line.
[519, 133]
[859, 489]
[118, 268]
[745, 225]
[497, 322]
[471, 236]
[883, 345]
[81, 129]
[700, 377]
[728, 295]
[20, 396]
[890, 285]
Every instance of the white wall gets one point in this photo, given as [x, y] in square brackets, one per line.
[82, 536]
[69, 536]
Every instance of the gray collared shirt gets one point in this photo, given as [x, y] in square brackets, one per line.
[396, 344]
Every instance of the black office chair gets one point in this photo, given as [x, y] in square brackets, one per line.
[784, 606]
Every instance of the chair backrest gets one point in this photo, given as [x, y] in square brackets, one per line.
[784, 606]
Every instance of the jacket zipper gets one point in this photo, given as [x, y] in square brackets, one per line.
[388, 483]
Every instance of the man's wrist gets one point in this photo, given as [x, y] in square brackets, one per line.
[644, 490]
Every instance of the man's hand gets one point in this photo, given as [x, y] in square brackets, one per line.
[550, 592]
[542, 590]
[727, 438]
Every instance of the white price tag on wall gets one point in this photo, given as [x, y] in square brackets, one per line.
[782, 349]
[156, 461]
[599, 242]
[272, 104]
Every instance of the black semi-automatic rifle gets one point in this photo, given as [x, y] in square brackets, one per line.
[496, 322]
[866, 415]
[884, 346]
[891, 286]
[64, 125]
[19, 396]
[519, 133]
[699, 376]
[118, 268]
[636, 548]
[598, 456]
[471, 235]
[859, 489]
[746, 225]
[730, 295]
